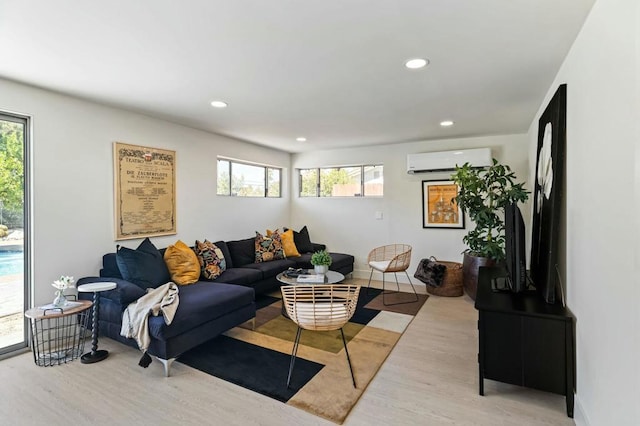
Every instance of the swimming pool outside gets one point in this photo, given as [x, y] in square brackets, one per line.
[11, 262]
[11, 293]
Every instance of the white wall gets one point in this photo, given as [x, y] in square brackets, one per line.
[602, 208]
[73, 182]
[348, 225]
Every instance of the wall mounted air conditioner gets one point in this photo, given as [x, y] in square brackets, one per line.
[447, 160]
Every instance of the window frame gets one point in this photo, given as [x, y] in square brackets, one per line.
[318, 183]
[26, 122]
[265, 168]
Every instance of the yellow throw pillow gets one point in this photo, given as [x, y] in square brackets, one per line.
[290, 249]
[182, 263]
[289, 246]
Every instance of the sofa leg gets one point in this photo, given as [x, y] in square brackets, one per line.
[253, 323]
[167, 365]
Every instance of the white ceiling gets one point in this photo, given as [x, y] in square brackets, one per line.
[329, 70]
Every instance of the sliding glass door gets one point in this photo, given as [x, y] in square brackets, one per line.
[14, 132]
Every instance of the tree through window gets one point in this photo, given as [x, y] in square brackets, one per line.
[238, 179]
[352, 181]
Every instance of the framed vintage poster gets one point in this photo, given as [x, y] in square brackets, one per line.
[145, 191]
[439, 208]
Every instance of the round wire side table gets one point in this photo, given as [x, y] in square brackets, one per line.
[58, 334]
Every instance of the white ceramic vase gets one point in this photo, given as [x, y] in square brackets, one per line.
[321, 269]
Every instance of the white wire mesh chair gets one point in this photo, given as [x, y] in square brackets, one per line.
[391, 258]
[320, 308]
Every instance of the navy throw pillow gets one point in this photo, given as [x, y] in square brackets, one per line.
[143, 266]
[242, 252]
[302, 240]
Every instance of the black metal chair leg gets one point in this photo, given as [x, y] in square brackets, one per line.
[390, 292]
[369, 284]
[383, 291]
[398, 286]
[294, 352]
[344, 342]
[412, 287]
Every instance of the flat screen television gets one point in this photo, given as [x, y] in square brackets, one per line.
[515, 257]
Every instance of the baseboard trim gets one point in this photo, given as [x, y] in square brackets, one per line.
[579, 415]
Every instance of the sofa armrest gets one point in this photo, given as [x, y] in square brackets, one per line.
[125, 292]
[318, 247]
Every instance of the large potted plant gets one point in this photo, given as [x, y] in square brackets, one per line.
[483, 194]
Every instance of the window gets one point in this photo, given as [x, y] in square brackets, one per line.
[309, 182]
[352, 181]
[14, 223]
[239, 179]
[373, 181]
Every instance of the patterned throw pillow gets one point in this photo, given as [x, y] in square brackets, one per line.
[268, 248]
[212, 263]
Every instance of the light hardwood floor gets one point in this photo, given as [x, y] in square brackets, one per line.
[430, 378]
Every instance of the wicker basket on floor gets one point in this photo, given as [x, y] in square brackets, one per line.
[452, 285]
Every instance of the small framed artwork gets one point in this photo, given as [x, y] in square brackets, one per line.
[439, 207]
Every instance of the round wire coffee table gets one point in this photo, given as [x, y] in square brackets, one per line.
[330, 277]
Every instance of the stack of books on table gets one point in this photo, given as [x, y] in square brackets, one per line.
[310, 278]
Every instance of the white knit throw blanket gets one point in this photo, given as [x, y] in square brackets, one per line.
[135, 319]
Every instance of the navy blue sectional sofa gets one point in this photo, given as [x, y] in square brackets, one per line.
[206, 308]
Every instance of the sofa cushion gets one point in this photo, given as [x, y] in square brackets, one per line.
[241, 276]
[339, 261]
[268, 248]
[124, 293]
[242, 251]
[303, 261]
[110, 266]
[273, 268]
[183, 263]
[199, 303]
[211, 258]
[143, 266]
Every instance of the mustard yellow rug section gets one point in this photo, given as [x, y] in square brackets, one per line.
[330, 393]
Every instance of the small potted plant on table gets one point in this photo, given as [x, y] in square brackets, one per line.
[321, 260]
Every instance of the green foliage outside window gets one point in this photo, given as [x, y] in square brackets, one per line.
[12, 172]
[353, 181]
[247, 180]
[308, 182]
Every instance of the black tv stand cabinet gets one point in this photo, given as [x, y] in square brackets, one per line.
[523, 340]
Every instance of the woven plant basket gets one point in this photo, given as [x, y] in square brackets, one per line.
[451, 283]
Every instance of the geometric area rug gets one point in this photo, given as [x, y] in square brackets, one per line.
[321, 382]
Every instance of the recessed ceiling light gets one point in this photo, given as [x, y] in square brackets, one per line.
[219, 104]
[446, 123]
[301, 139]
[416, 63]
